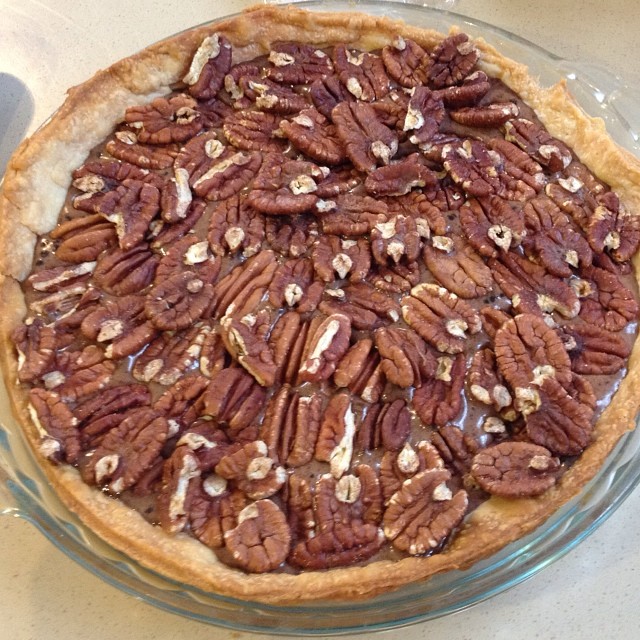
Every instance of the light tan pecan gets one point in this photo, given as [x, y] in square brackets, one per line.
[424, 512]
[515, 469]
[440, 317]
[325, 347]
[456, 266]
[261, 540]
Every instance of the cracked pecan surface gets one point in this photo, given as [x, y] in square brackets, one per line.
[303, 304]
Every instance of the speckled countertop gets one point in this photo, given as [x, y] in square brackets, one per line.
[48, 46]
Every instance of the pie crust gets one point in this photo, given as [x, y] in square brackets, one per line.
[35, 186]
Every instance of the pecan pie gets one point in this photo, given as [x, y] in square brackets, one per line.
[307, 306]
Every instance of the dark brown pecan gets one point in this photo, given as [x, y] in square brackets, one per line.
[424, 512]
[542, 213]
[425, 112]
[387, 424]
[131, 207]
[363, 304]
[560, 250]
[182, 401]
[341, 180]
[347, 258]
[343, 545]
[561, 423]
[287, 341]
[472, 89]
[176, 197]
[351, 215]
[213, 355]
[295, 63]
[538, 143]
[310, 132]
[173, 503]
[458, 267]
[79, 373]
[531, 289]
[83, 239]
[359, 370]
[179, 301]
[455, 447]
[440, 317]
[291, 236]
[515, 469]
[491, 115]
[439, 399]
[527, 352]
[397, 278]
[123, 272]
[252, 470]
[293, 285]
[405, 359]
[36, 344]
[336, 435]
[284, 187]
[290, 426]
[254, 131]
[207, 442]
[521, 176]
[492, 320]
[406, 62]
[65, 301]
[363, 74]
[241, 290]
[399, 178]
[168, 356]
[235, 226]
[274, 98]
[127, 450]
[392, 109]
[427, 207]
[121, 322]
[325, 347]
[214, 510]
[395, 239]
[165, 120]
[246, 340]
[485, 382]
[593, 350]
[162, 233]
[125, 147]
[617, 231]
[327, 93]
[233, 398]
[453, 60]
[470, 165]
[605, 301]
[299, 500]
[187, 254]
[223, 171]
[209, 65]
[57, 427]
[236, 83]
[367, 141]
[261, 540]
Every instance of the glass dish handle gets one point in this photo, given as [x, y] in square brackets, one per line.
[616, 99]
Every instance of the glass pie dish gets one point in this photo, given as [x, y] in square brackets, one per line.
[29, 496]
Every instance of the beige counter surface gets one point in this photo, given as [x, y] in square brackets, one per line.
[47, 46]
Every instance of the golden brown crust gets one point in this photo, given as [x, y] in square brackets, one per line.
[37, 179]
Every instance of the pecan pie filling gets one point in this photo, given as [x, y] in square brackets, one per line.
[314, 308]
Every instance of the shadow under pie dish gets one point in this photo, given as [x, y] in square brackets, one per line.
[377, 307]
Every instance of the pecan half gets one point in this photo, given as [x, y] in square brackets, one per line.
[125, 147]
[261, 540]
[359, 371]
[387, 424]
[425, 112]
[515, 469]
[295, 63]
[336, 436]
[453, 60]
[254, 131]
[491, 115]
[209, 65]
[406, 62]
[352, 215]
[400, 177]
[293, 285]
[84, 239]
[440, 317]
[124, 272]
[485, 381]
[538, 143]
[327, 92]
[458, 267]
[345, 258]
[593, 350]
[363, 74]
[235, 226]
[395, 239]
[424, 512]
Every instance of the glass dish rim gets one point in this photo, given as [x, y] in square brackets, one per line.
[55, 531]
